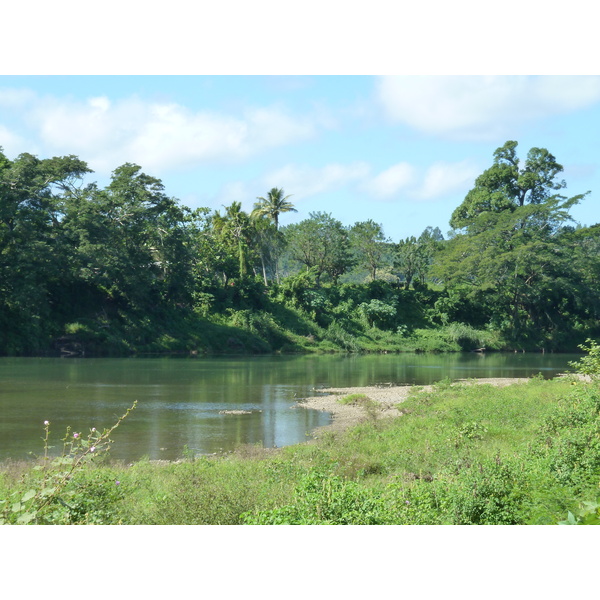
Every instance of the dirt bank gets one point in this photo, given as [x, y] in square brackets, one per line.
[388, 397]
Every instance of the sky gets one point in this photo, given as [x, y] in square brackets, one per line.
[401, 150]
[379, 110]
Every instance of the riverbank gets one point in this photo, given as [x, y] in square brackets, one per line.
[494, 451]
[387, 399]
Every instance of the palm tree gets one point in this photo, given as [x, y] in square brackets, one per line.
[273, 205]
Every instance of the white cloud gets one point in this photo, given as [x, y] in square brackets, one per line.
[481, 107]
[15, 98]
[237, 191]
[444, 178]
[304, 181]
[392, 180]
[400, 182]
[156, 135]
[10, 143]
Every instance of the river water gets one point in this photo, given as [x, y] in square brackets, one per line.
[181, 401]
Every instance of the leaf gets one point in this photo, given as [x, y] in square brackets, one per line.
[28, 495]
[570, 520]
[591, 519]
[16, 507]
[26, 518]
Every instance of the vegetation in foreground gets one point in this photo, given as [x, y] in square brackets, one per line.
[523, 454]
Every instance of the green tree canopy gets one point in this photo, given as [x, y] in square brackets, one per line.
[33, 247]
[320, 242]
[273, 205]
[507, 185]
[368, 243]
[509, 250]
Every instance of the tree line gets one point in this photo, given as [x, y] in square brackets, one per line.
[77, 259]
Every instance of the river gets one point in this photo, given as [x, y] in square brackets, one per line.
[181, 401]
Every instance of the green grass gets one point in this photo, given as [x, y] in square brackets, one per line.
[460, 454]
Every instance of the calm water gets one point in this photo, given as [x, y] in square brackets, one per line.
[179, 400]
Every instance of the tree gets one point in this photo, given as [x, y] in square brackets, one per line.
[132, 242]
[414, 256]
[320, 242]
[507, 186]
[368, 243]
[270, 208]
[33, 248]
[273, 205]
[234, 230]
[268, 242]
[509, 250]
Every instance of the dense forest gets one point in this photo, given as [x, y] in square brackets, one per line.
[127, 269]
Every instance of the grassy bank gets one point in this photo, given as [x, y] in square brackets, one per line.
[277, 330]
[251, 319]
[459, 454]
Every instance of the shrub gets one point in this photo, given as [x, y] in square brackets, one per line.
[590, 364]
[338, 335]
[488, 493]
[56, 495]
[325, 499]
[378, 313]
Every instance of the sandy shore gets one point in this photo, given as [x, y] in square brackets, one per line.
[389, 399]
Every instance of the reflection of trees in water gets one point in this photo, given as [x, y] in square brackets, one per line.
[180, 400]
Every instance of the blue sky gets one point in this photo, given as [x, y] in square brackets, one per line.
[401, 150]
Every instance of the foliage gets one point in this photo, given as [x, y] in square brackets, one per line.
[63, 492]
[414, 256]
[589, 365]
[587, 514]
[509, 253]
[324, 499]
[507, 186]
[320, 242]
[120, 269]
[378, 313]
[273, 205]
[368, 243]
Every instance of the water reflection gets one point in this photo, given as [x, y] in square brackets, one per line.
[180, 401]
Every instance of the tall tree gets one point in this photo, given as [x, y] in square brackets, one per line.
[273, 205]
[508, 250]
[33, 248]
[368, 242]
[320, 242]
[270, 207]
[414, 256]
[235, 231]
[506, 185]
[132, 241]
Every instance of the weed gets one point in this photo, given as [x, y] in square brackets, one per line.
[57, 496]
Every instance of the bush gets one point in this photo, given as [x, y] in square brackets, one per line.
[338, 335]
[325, 499]
[488, 493]
[378, 313]
[59, 490]
[570, 439]
[589, 365]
